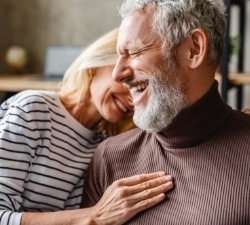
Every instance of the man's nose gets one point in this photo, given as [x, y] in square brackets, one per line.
[122, 73]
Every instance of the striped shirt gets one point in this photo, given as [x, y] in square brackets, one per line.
[44, 153]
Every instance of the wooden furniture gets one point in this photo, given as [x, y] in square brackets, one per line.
[239, 79]
[236, 80]
[16, 83]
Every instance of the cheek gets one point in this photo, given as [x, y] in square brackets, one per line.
[97, 95]
[99, 88]
[119, 88]
[146, 63]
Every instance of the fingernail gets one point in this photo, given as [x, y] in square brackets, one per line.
[170, 184]
[161, 196]
[168, 178]
[162, 173]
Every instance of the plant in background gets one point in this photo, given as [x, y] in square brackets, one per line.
[234, 45]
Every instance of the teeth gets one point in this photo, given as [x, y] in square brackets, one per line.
[121, 106]
[141, 87]
[137, 89]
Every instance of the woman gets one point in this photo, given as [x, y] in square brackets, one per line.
[47, 140]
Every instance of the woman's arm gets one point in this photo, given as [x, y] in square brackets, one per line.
[121, 201]
[17, 150]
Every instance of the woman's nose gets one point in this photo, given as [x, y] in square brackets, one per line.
[122, 73]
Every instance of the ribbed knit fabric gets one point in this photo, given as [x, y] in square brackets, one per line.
[207, 151]
[44, 153]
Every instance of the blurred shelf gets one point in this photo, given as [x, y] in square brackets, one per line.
[236, 78]
[239, 78]
[237, 1]
[16, 83]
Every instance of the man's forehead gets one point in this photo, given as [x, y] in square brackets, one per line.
[140, 18]
[136, 24]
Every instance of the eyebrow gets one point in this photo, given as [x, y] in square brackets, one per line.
[148, 47]
[136, 47]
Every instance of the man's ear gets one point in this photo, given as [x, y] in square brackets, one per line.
[197, 50]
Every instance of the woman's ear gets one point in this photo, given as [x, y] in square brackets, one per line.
[198, 47]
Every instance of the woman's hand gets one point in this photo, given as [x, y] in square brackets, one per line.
[129, 196]
[246, 111]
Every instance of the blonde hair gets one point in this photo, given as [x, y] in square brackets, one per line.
[78, 77]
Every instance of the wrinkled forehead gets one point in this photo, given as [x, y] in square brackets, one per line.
[138, 24]
[141, 17]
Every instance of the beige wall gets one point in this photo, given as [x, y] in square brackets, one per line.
[35, 24]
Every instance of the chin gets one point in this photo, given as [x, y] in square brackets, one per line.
[112, 120]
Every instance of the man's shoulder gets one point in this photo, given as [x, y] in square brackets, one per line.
[241, 118]
[239, 126]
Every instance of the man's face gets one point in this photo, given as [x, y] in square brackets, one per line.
[150, 74]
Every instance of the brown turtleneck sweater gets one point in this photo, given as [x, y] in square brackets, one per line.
[207, 151]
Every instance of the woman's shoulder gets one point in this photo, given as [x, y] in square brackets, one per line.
[33, 99]
[30, 101]
[26, 96]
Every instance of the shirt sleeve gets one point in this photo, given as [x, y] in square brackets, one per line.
[19, 139]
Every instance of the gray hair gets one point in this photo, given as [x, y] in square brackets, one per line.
[175, 19]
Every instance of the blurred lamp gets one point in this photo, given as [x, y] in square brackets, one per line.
[16, 58]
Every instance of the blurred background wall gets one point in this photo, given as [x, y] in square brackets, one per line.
[35, 24]
[234, 32]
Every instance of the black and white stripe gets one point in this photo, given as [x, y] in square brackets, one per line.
[44, 153]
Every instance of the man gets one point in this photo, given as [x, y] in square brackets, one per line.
[169, 51]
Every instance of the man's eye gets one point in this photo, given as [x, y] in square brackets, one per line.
[135, 54]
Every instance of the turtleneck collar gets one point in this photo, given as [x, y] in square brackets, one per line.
[197, 122]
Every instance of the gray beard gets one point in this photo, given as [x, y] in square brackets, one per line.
[167, 101]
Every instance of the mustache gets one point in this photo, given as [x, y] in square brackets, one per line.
[131, 84]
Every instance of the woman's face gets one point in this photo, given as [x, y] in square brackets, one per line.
[110, 98]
